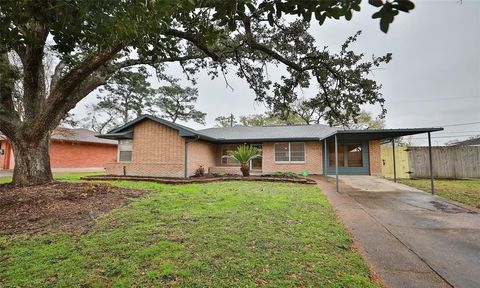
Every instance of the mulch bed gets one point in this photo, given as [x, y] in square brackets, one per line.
[206, 179]
[65, 207]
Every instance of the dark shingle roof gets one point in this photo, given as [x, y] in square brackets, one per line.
[79, 135]
[265, 133]
[469, 142]
[75, 135]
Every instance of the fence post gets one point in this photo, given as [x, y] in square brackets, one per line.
[431, 162]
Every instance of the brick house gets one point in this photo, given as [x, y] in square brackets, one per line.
[69, 148]
[150, 146]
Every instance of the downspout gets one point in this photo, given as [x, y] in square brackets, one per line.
[185, 164]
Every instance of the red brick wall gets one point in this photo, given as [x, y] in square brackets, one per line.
[157, 143]
[313, 159]
[146, 169]
[68, 155]
[201, 153]
[6, 160]
[158, 150]
[79, 155]
[375, 158]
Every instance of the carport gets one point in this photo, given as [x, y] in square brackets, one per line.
[346, 151]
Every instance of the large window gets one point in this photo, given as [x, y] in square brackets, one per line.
[331, 155]
[349, 155]
[354, 155]
[290, 152]
[227, 148]
[124, 150]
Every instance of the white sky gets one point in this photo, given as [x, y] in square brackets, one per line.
[433, 79]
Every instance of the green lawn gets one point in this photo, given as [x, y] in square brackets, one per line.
[60, 176]
[463, 191]
[231, 234]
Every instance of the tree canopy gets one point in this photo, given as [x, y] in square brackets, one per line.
[92, 40]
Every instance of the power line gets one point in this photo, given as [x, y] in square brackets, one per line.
[461, 124]
[456, 136]
[433, 99]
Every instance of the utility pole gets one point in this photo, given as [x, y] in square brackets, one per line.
[231, 120]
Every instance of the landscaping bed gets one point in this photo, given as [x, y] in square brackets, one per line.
[66, 207]
[203, 179]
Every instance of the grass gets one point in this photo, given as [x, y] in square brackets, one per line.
[463, 191]
[223, 234]
[68, 177]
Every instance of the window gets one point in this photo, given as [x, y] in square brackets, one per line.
[227, 148]
[331, 155]
[124, 150]
[290, 152]
[354, 155]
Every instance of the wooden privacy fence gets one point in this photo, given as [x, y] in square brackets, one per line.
[401, 161]
[448, 162]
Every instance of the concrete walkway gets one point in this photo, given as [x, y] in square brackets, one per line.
[409, 238]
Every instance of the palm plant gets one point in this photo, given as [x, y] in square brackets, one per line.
[243, 154]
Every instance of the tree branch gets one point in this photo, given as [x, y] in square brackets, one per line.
[67, 92]
[195, 41]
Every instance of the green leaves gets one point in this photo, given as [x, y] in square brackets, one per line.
[389, 10]
[244, 153]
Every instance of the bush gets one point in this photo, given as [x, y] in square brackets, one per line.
[200, 172]
[284, 175]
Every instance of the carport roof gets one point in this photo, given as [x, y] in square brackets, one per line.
[382, 134]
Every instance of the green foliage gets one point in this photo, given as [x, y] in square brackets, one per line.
[267, 119]
[234, 234]
[178, 103]
[244, 153]
[226, 121]
[365, 120]
[126, 95]
[285, 174]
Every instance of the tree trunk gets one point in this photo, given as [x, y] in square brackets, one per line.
[245, 168]
[32, 162]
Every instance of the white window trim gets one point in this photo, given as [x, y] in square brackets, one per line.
[289, 154]
[118, 152]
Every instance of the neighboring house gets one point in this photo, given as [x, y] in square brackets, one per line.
[469, 142]
[69, 148]
[150, 146]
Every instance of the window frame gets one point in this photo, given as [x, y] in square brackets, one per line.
[236, 164]
[120, 150]
[290, 153]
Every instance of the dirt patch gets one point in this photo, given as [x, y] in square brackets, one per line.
[66, 207]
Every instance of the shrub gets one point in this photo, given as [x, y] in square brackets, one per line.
[200, 172]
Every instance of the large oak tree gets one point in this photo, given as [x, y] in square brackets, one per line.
[94, 39]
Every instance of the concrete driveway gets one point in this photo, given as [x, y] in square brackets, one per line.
[409, 238]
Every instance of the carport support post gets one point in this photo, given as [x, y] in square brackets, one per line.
[336, 161]
[394, 163]
[431, 162]
[325, 164]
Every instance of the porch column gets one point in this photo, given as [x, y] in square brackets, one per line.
[431, 163]
[325, 163]
[394, 162]
[336, 161]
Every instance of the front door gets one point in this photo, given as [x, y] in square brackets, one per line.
[352, 158]
[256, 164]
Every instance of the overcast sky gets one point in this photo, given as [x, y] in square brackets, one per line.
[433, 79]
